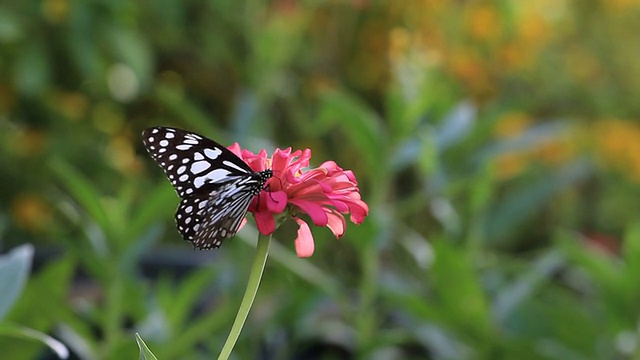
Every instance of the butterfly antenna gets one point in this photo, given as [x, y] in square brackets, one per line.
[268, 188]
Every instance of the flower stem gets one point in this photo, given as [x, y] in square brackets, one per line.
[262, 251]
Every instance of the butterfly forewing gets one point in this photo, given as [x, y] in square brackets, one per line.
[215, 185]
[190, 160]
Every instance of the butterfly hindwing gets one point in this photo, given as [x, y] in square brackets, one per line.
[215, 185]
[189, 215]
[225, 211]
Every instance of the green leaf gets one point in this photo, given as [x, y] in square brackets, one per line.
[524, 287]
[199, 330]
[159, 205]
[360, 124]
[87, 196]
[179, 304]
[631, 252]
[606, 272]
[529, 199]
[145, 353]
[27, 333]
[456, 126]
[32, 71]
[12, 26]
[14, 270]
[462, 301]
[178, 105]
[43, 312]
[131, 48]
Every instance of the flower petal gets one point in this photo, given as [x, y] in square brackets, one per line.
[337, 224]
[301, 161]
[265, 223]
[280, 160]
[304, 242]
[276, 201]
[326, 193]
[242, 223]
[315, 211]
[359, 210]
[235, 148]
[349, 174]
[340, 205]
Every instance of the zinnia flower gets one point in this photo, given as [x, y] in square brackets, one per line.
[324, 193]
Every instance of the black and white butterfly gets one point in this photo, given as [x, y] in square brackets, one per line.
[215, 185]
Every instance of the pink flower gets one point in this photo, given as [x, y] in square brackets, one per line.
[324, 193]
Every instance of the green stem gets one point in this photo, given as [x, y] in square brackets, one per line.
[113, 310]
[262, 251]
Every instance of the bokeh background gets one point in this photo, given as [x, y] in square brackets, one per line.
[497, 144]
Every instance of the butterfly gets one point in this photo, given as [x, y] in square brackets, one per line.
[215, 186]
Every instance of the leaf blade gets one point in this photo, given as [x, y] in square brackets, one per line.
[14, 270]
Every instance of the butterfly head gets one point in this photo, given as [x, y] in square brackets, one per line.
[264, 176]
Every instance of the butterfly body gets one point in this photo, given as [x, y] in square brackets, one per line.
[215, 185]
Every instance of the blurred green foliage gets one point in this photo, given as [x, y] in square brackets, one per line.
[496, 143]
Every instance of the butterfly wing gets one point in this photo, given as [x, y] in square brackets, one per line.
[215, 185]
[225, 210]
[207, 219]
[189, 215]
[191, 161]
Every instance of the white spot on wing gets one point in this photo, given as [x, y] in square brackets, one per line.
[212, 154]
[164, 143]
[200, 166]
[213, 176]
[183, 147]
